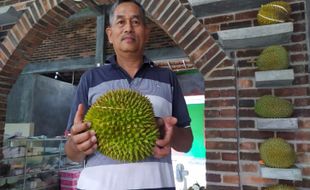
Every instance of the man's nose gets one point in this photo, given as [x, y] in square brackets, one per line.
[128, 27]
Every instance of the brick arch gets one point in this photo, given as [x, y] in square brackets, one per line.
[43, 16]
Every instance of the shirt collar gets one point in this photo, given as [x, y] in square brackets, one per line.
[112, 60]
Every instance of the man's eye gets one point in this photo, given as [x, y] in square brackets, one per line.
[120, 22]
[136, 22]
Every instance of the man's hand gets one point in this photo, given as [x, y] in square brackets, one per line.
[163, 145]
[82, 141]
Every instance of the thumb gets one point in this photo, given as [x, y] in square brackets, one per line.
[79, 115]
[170, 121]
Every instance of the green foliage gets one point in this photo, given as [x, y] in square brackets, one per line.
[269, 106]
[280, 187]
[274, 57]
[125, 125]
[277, 153]
[273, 13]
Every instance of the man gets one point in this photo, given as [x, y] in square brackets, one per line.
[129, 69]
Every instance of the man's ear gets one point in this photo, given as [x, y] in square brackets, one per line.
[109, 34]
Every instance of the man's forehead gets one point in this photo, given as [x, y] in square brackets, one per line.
[126, 15]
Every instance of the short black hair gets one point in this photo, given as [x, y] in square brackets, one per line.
[118, 2]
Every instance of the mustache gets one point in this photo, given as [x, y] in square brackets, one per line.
[128, 36]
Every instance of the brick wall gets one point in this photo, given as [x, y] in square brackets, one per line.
[77, 38]
[220, 159]
[14, 2]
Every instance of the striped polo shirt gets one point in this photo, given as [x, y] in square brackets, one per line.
[160, 85]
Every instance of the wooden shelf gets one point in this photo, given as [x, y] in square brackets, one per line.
[283, 77]
[258, 36]
[281, 173]
[277, 124]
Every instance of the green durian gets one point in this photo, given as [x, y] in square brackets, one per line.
[125, 125]
[277, 153]
[273, 57]
[274, 12]
[280, 187]
[269, 106]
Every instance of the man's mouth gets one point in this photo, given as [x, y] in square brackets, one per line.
[128, 38]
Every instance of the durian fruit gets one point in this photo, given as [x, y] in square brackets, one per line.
[273, 57]
[125, 125]
[277, 153]
[273, 13]
[280, 187]
[269, 106]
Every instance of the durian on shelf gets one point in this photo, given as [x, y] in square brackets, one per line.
[274, 57]
[125, 125]
[274, 12]
[269, 106]
[277, 153]
[280, 187]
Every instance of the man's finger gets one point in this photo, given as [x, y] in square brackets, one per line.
[79, 115]
[169, 125]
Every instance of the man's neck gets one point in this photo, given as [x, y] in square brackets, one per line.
[131, 64]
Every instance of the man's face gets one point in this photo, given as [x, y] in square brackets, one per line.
[127, 33]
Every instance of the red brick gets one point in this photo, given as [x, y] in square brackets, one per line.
[246, 15]
[298, 16]
[256, 134]
[213, 155]
[249, 168]
[247, 72]
[220, 124]
[304, 123]
[247, 187]
[236, 25]
[228, 113]
[299, 27]
[220, 103]
[244, 112]
[298, 102]
[256, 180]
[222, 167]
[223, 73]
[297, 91]
[299, 57]
[301, 80]
[298, 37]
[247, 124]
[248, 146]
[287, 135]
[218, 19]
[212, 93]
[245, 83]
[296, 47]
[221, 134]
[306, 171]
[254, 92]
[304, 183]
[229, 156]
[301, 112]
[249, 156]
[212, 28]
[248, 53]
[221, 145]
[231, 179]
[213, 177]
[212, 113]
[220, 83]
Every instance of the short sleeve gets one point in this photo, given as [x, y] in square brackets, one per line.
[179, 107]
[80, 97]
